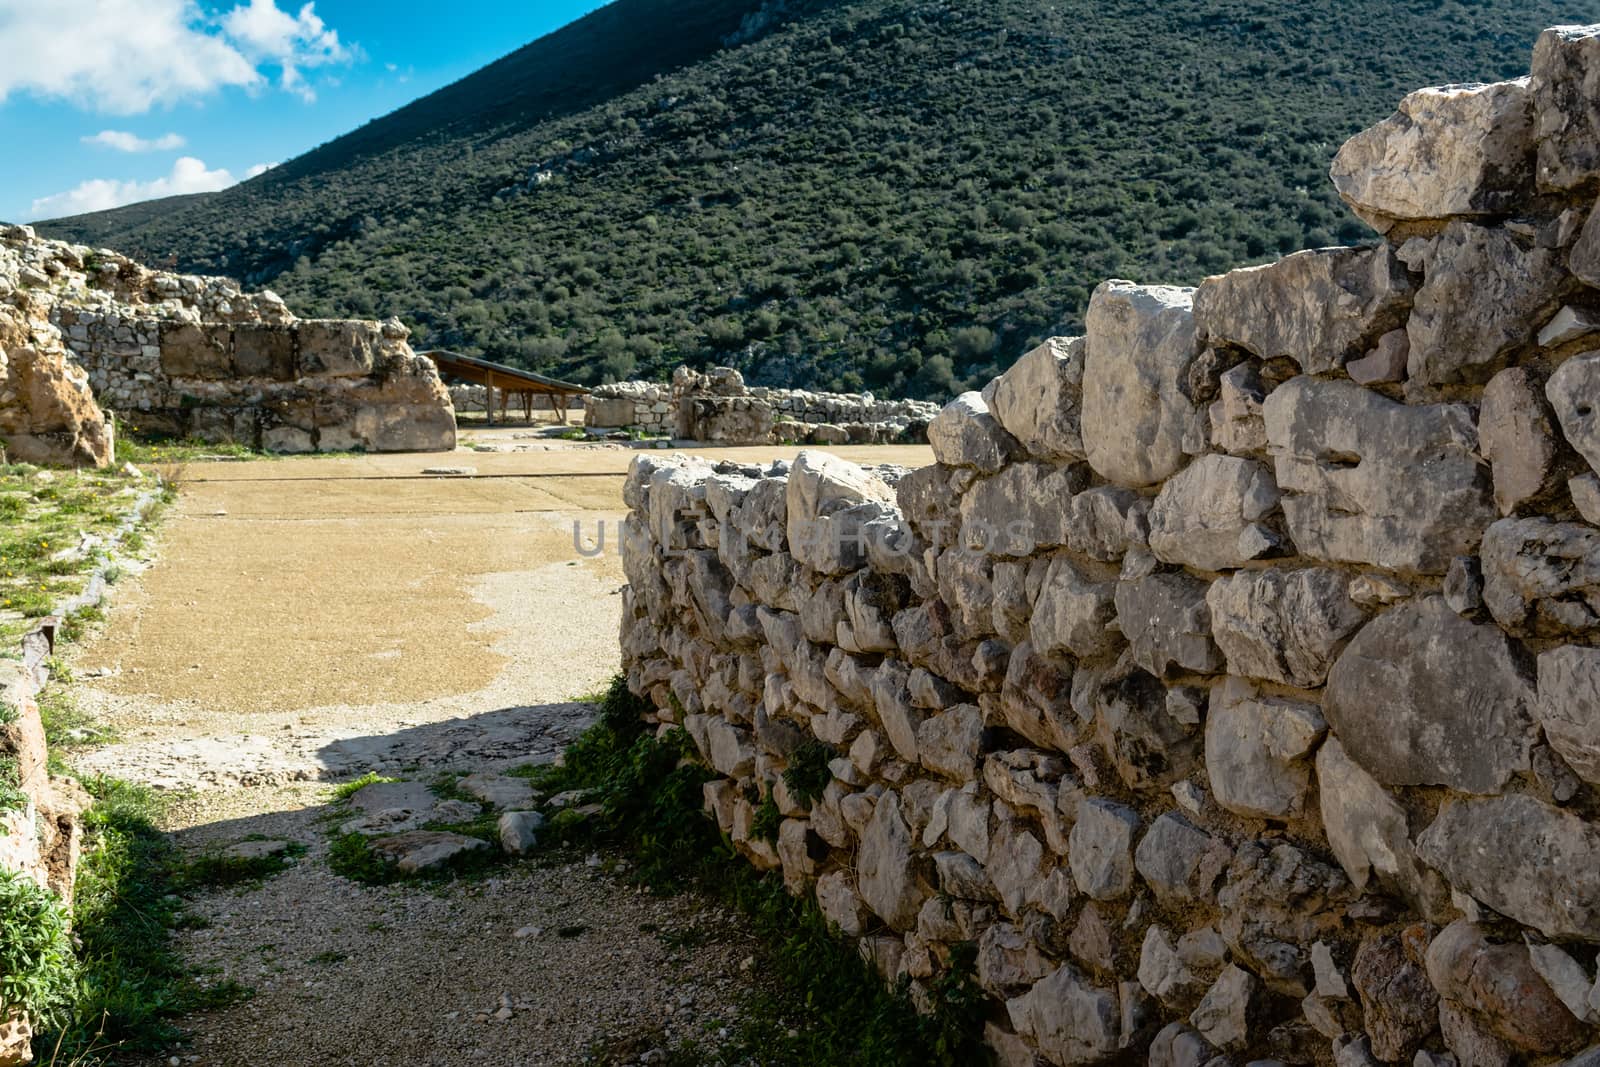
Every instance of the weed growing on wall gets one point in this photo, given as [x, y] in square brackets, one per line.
[37, 968]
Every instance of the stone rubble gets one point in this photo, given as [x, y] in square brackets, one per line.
[1270, 732]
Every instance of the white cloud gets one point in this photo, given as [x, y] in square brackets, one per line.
[292, 43]
[258, 170]
[189, 175]
[127, 56]
[123, 141]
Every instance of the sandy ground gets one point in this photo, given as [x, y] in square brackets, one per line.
[309, 620]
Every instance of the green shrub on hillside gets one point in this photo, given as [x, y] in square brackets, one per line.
[898, 195]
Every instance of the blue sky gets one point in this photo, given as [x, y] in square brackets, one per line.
[105, 102]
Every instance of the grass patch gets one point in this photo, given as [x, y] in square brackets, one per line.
[346, 790]
[130, 983]
[37, 967]
[55, 530]
[824, 1004]
[351, 856]
[218, 869]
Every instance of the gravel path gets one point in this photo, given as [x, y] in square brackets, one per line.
[312, 620]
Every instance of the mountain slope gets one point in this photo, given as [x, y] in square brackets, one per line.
[891, 194]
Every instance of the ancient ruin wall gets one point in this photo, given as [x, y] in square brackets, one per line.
[197, 357]
[718, 407]
[1233, 678]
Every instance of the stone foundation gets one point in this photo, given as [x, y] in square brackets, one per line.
[717, 407]
[1232, 680]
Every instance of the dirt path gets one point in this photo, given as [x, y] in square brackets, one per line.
[313, 620]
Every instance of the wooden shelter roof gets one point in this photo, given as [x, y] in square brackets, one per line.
[507, 379]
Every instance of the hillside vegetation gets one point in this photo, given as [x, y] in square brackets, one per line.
[898, 195]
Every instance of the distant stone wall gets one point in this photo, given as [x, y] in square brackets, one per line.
[1232, 679]
[197, 357]
[471, 398]
[718, 407]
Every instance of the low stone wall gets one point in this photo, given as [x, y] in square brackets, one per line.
[471, 398]
[1232, 680]
[718, 407]
[197, 357]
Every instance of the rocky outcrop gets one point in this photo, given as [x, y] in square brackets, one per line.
[197, 357]
[1270, 729]
[48, 415]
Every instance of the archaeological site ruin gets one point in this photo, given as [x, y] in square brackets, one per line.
[1230, 683]
[88, 331]
[1230, 680]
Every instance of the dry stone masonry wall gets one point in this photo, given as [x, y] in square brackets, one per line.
[1232, 680]
[718, 407]
[197, 357]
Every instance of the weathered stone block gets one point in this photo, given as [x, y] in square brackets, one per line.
[965, 434]
[1257, 751]
[1425, 697]
[1482, 301]
[202, 352]
[1038, 400]
[1281, 625]
[336, 349]
[1542, 578]
[1209, 515]
[1320, 308]
[1138, 348]
[1525, 859]
[1448, 151]
[262, 351]
[1369, 480]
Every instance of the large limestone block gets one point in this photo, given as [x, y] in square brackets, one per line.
[1181, 862]
[1453, 150]
[1573, 391]
[1257, 749]
[1542, 578]
[1100, 848]
[1516, 427]
[1525, 859]
[824, 510]
[1566, 105]
[1167, 624]
[263, 351]
[1500, 986]
[1424, 697]
[1039, 399]
[885, 868]
[1138, 349]
[1020, 510]
[1320, 308]
[1569, 706]
[1209, 514]
[1069, 1019]
[190, 351]
[1486, 292]
[965, 434]
[1151, 743]
[1073, 615]
[1369, 480]
[1283, 626]
[1370, 834]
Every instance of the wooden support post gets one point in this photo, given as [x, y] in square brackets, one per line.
[488, 399]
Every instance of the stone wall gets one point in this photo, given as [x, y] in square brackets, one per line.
[42, 838]
[197, 357]
[1232, 679]
[718, 407]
